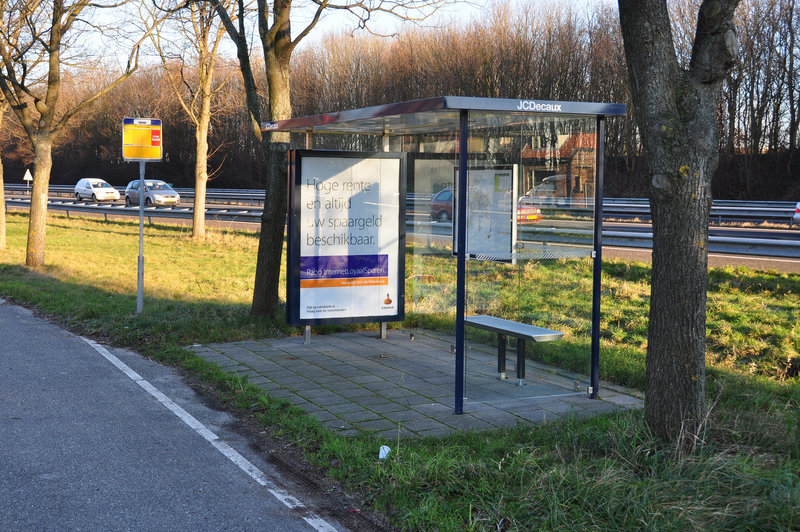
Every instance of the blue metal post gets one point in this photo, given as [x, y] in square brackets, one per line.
[461, 252]
[598, 256]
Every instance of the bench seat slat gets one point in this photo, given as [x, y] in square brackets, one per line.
[513, 328]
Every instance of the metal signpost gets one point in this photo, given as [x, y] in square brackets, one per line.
[141, 141]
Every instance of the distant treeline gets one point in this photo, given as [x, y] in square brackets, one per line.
[559, 54]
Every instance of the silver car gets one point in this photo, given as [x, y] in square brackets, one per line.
[95, 189]
[156, 192]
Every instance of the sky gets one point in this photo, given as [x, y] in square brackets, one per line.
[459, 11]
[341, 22]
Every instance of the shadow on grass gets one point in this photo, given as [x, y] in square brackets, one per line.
[163, 323]
[752, 281]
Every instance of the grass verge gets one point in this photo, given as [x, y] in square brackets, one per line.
[604, 473]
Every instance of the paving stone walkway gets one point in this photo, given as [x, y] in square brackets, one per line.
[404, 387]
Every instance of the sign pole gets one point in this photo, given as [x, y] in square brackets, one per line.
[142, 142]
[28, 178]
[140, 269]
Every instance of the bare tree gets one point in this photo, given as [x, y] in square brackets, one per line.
[195, 85]
[676, 110]
[790, 21]
[35, 40]
[3, 110]
[277, 46]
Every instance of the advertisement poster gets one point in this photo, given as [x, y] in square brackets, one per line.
[491, 219]
[348, 231]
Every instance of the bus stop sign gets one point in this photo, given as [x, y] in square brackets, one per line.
[141, 139]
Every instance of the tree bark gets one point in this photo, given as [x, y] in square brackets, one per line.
[201, 172]
[266, 301]
[3, 108]
[676, 112]
[277, 53]
[37, 226]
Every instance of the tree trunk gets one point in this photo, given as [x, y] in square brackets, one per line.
[200, 176]
[675, 368]
[676, 112]
[3, 109]
[266, 301]
[37, 226]
[2, 205]
[273, 221]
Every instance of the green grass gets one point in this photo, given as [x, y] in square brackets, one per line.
[605, 473]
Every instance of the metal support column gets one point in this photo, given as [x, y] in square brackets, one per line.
[598, 257]
[309, 145]
[461, 252]
[520, 362]
[501, 356]
[385, 143]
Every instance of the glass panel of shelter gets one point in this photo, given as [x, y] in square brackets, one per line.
[539, 171]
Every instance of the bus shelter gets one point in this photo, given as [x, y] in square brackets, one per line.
[378, 230]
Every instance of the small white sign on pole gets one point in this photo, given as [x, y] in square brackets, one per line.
[28, 178]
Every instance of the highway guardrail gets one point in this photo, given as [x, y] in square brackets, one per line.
[717, 244]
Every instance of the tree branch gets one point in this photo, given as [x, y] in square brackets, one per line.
[715, 39]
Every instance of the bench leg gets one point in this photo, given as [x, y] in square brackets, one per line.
[520, 362]
[501, 357]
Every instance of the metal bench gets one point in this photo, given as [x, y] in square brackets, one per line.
[520, 331]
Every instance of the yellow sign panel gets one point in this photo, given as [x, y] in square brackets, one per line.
[141, 139]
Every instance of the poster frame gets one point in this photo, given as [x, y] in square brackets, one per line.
[293, 245]
[512, 215]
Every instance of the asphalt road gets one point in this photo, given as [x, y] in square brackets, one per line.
[715, 260]
[95, 438]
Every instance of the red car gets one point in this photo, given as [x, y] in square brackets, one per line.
[442, 205]
[528, 214]
[442, 208]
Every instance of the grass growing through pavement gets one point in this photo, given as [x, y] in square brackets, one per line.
[605, 473]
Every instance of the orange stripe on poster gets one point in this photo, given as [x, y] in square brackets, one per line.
[333, 283]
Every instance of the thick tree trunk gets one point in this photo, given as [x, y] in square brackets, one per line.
[676, 112]
[675, 370]
[680, 199]
[37, 226]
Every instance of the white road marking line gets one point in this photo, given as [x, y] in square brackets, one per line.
[752, 257]
[229, 452]
[713, 254]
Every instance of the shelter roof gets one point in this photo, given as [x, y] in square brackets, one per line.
[431, 115]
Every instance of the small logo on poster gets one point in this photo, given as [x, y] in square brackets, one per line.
[388, 300]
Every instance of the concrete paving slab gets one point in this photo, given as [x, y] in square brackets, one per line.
[377, 425]
[403, 386]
